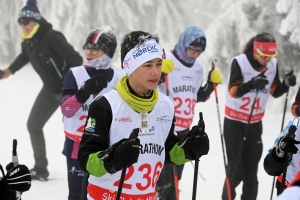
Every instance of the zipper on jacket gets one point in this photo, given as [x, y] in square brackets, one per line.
[55, 67]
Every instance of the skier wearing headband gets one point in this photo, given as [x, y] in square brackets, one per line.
[253, 75]
[135, 104]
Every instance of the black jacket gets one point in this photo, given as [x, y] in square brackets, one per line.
[50, 55]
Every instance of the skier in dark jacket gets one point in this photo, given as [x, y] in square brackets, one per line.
[51, 56]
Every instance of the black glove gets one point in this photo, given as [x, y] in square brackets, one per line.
[17, 178]
[93, 85]
[120, 155]
[195, 143]
[289, 79]
[287, 143]
[258, 82]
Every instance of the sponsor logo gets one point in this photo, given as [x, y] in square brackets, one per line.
[164, 119]
[90, 125]
[149, 48]
[247, 73]
[124, 119]
[143, 131]
[200, 71]
[126, 64]
[15, 171]
[187, 78]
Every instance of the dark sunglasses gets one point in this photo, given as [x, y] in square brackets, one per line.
[24, 22]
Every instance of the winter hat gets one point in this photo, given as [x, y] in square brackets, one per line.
[103, 38]
[191, 36]
[30, 12]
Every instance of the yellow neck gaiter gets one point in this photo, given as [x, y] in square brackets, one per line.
[31, 34]
[136, 103]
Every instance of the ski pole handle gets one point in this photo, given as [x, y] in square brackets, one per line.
[14, 154]
[134, 134]
[213, 64]
[201, 124]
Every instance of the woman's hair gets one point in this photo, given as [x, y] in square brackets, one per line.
[261, 37]
[133, 39]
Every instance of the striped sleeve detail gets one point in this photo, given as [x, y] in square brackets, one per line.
[233, 88]
[74, 154]
[295, 108]
[274, 86]
[69, 106]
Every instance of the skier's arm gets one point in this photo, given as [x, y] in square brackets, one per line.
[20, 61]
[278, 88]
[273, 165]
[174, 153]
[61, 47]
[295, 106]
[236, 87]
[69, 104]
[95, 140]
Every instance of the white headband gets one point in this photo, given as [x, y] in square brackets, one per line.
[141, 54]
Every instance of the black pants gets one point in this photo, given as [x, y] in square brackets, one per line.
[44, 106]
[246, 170]
[75, 180]
[165, 186]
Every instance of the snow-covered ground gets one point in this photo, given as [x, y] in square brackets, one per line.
[18, 92]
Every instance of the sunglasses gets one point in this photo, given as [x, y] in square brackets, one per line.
[265, 56]
[195, 50]
[94, 51]
[24, 22]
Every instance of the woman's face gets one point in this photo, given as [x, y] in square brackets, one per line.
[146, 77]
[91, 52]
[263, 60]
[27, 26]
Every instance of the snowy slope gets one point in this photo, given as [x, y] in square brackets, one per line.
[18, 92]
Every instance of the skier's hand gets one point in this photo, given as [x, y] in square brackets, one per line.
[122, 154]
[287, 143]
[167, 66]
[5, 73]
[93, 85]
[289, 79]
[214, 76]
[18, 178]
[195, 143]
[258, 83]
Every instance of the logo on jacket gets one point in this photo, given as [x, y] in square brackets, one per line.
[187, 78]
[124, 119]
[164, 119]
[90, 125]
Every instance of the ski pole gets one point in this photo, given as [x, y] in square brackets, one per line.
[133, 135]
[197, 157]
[15, 161]
[227, 182]
[245, 133]
[175, 175]
[283, 117]
[282, 124]
[166, 75]
[83, 186]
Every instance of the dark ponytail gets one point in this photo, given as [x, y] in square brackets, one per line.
[261, 37]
